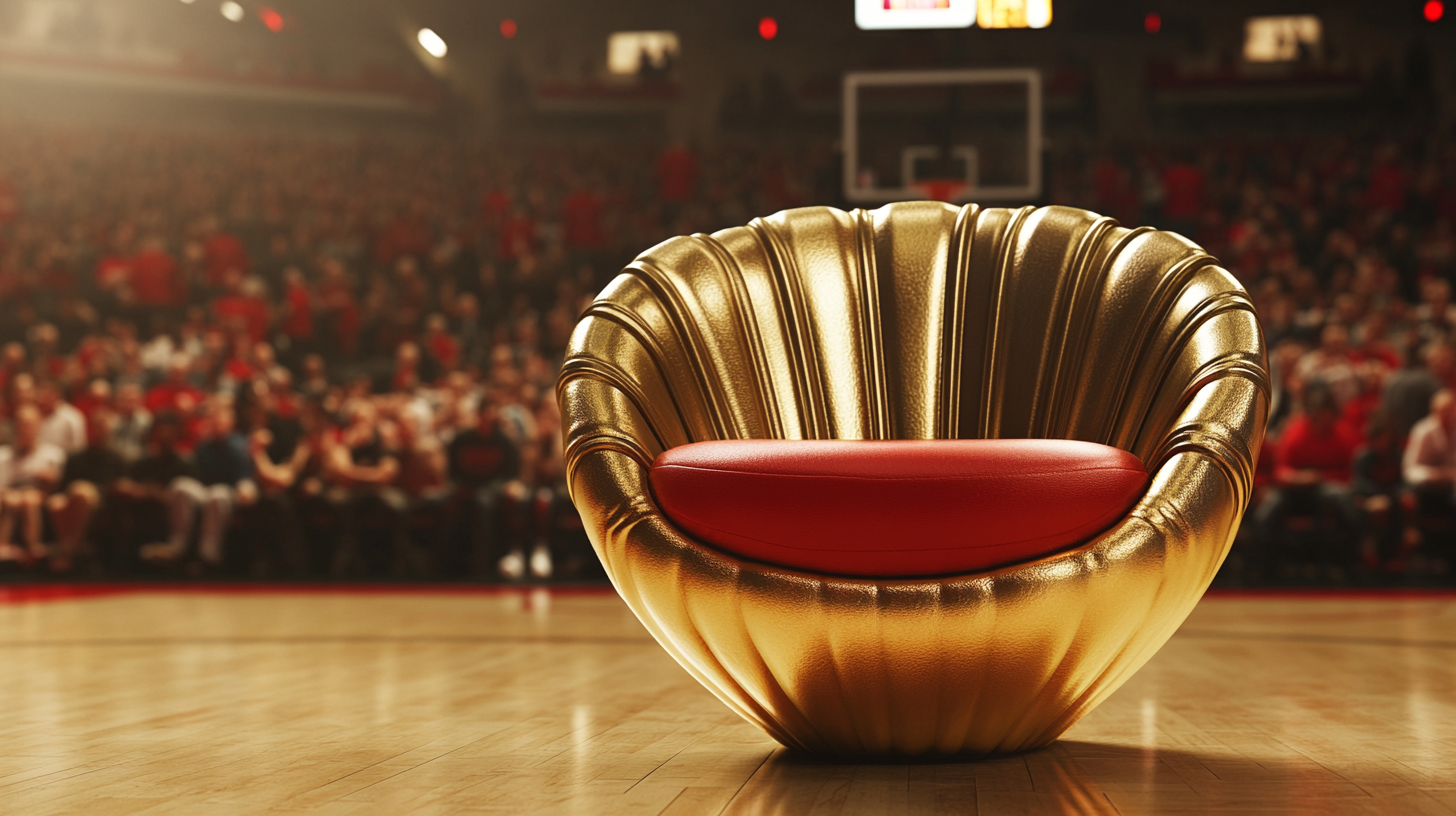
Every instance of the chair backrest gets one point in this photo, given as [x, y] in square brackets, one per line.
[919, 320]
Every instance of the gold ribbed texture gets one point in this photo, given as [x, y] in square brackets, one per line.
[919, 321]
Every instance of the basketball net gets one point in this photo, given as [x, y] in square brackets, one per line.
[941, 189]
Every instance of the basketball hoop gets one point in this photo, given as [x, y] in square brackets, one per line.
[936, 125]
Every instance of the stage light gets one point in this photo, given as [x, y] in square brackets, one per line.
[508, 28]
[271, 18]
[232, 11]
[433, 44]
[1152, 23]
[1434, 10]
[768, 28]
[1038, 13]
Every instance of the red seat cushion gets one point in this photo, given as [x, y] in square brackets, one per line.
[896, 508]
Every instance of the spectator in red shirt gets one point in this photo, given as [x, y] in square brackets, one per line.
[222, 253]
[517, 237]
[1388, 184]
[493, 208]
[403, 235]
[155, 281]
[1374, 344]
[87, 395]
[1333, 363]
[1184, 191]
[1315, 448]
[677, 175]
[338, 309]
[242, 363]
[113, 270]
[406, 375]
[242, 306]
[1315, 455]
[441, 346]
[175, 394]
[581, 215]
[297, 319]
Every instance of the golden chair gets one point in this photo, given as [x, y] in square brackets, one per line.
[922, 321]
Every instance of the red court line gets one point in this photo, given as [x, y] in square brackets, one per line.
[1331, 594]
[32, 593]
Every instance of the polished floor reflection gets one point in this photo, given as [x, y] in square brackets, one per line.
[525, 702]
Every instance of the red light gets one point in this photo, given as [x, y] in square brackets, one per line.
[271, 18]
[1434, 10]
[768, 28]
[1152, 23]
[508, 28]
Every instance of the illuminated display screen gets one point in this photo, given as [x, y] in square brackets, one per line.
[952, 13]
[1013, 13]
[632, 52]
[1282, 39]
[882, 14]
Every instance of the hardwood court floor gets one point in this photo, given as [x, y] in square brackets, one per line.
[523, 703]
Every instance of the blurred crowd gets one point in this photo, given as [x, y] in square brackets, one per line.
[283, 356]
[1348, 247]
[310, 357]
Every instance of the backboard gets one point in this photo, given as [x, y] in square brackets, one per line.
[952, 135]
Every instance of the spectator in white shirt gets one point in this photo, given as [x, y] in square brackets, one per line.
[28, 470]
[62, 424]
[1429, 464]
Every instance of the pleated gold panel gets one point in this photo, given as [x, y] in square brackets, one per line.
[919, 321]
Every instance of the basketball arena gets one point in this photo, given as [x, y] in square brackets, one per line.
[819, 407]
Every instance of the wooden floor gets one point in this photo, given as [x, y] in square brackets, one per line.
[521, 703]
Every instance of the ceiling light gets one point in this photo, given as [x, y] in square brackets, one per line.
[433, 44]
[271, 18]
